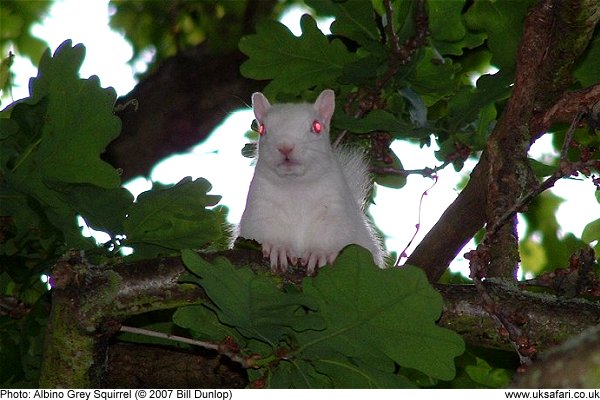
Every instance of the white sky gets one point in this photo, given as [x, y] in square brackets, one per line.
[395, 211]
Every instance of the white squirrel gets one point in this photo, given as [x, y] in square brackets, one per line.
[306, 201]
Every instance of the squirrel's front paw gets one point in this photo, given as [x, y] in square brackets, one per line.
[278, 256]
[313, 260]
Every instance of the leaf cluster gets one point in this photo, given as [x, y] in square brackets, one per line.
[432, 92]
[51, 174]
[353, 325]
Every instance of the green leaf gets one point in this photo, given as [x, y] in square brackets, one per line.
[390, 180]
[21, 132]
[587, 72]
[391, 311]
[293, 63]
[175, 218]
[5, 72]
[64, 126]
[533, 256]
[343, 330]
[433, 77]
[376, 120]
[540, 169]
[204, 324]
[348, 375]
[591, 232]
[78, 124]
[16, 20]
[464, 108]
[252, 303]
[363, 70]
[448, 32]
[485, 375]
[541, 221]
[502, 22]
[82, 122]
[353, 18]
[298, 374]
[445, 19]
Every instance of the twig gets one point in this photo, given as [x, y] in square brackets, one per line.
[569, 136]
[223, 349]
[121, 107]
[426, 172]
[389, 28]
[418, 225]
[401, 55]
[168, 336]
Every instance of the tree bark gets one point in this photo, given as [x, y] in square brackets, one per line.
[574, 364]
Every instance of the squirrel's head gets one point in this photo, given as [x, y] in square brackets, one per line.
[294, 138]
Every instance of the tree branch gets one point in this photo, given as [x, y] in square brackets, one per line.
[574, 364]
[180, 104]
[548, 75]
[90, 302]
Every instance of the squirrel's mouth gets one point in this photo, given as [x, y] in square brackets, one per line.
[289, 166]
[288, 162]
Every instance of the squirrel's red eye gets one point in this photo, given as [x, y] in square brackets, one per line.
[262, 130]
[316, 126]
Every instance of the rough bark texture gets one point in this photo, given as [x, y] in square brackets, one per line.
[548, 319]
[574, 364]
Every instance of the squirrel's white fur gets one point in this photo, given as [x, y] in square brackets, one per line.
[306, 201]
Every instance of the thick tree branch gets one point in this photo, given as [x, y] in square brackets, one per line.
[509, 174]
[574, 364]
[180, 104]
[562, 41]
[90, 302]
[549, 320]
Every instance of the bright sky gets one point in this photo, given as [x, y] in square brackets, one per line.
[107, 56]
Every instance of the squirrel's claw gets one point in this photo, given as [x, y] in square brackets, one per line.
[314, 260]
[277, 256]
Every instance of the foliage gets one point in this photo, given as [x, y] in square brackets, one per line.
[16, 19]
[438, 78]
[51, 173]
[347, 328]
[166, 29]
[293, 64]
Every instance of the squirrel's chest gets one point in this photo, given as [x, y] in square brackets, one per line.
[309, 205]
[304, 204]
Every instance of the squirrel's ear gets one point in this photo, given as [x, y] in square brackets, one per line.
[325, 104]
[260, 105]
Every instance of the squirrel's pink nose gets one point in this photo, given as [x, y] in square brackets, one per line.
[286, 150]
